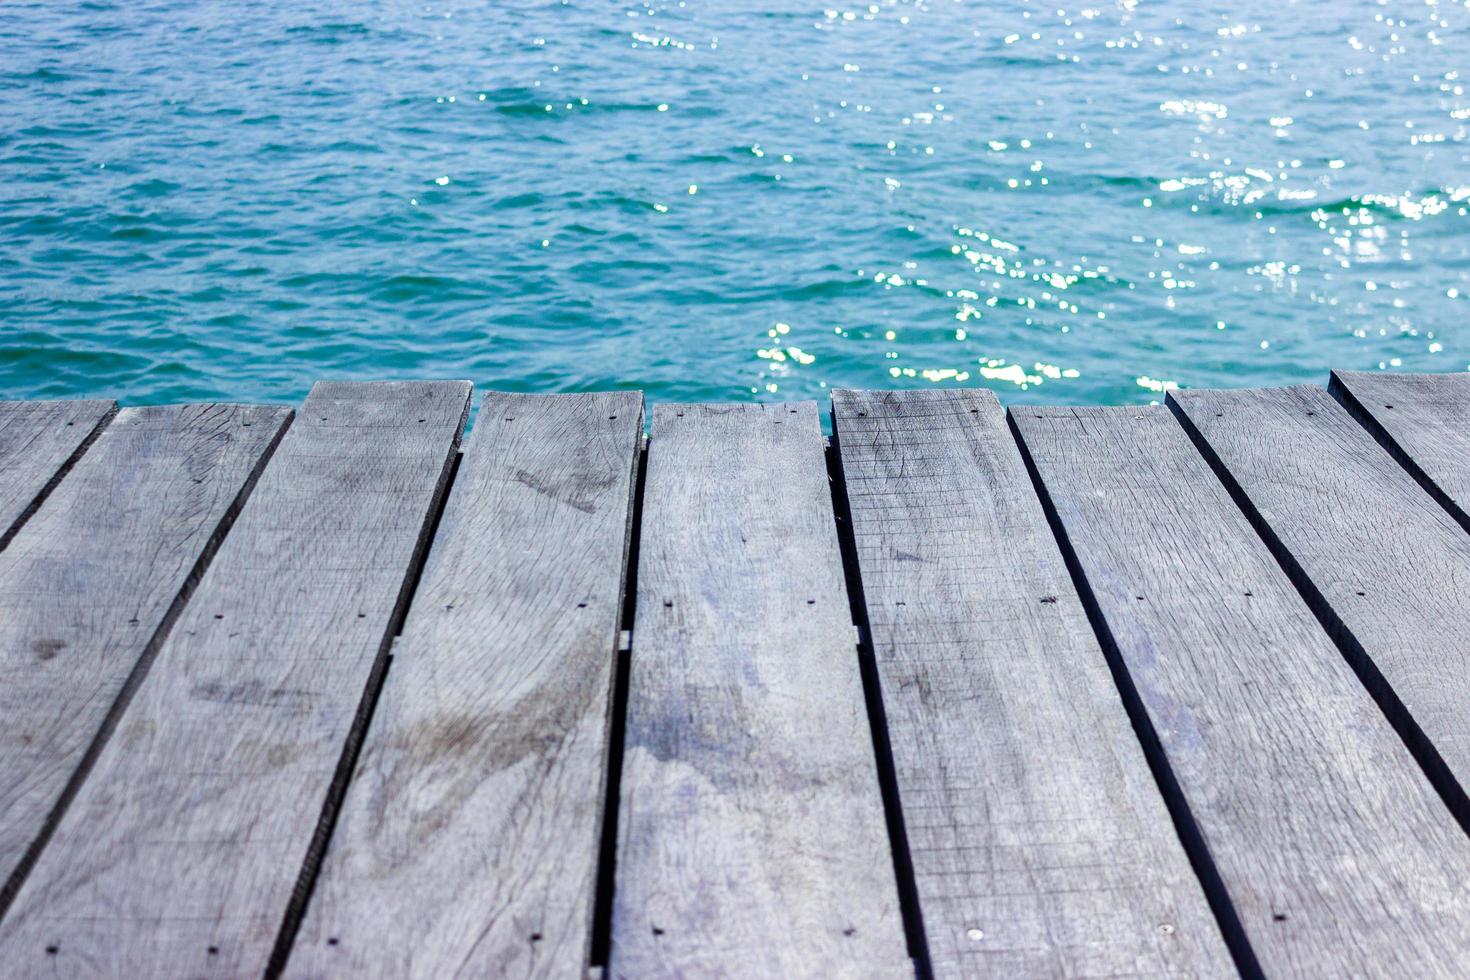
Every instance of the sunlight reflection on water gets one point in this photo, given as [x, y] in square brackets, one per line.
[1067, 203]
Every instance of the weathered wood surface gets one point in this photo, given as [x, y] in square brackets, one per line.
[468, 842]
[180, 852]
[1041, 845]
[1384, 565]
[751, 831]
[1337, 855]
[37, 439]
[1425, 420]
[87, 583]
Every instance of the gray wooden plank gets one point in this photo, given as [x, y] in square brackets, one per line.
[468, 842]
[751, 831]
[1337, 855]
[1424, 421]
[180, 852]
[89, 581]
[37, 440]
[1382, 564]
[1040, 843]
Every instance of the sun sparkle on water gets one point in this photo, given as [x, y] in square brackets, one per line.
[1083, 203]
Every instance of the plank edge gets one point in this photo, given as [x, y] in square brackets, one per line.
[1420, 747]
[1191, 838]
[103, 421]
[139, 671]
[911, 910]
[1339, 385]
[316, 848]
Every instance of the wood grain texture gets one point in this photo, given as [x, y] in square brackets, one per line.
[1040, 842]
[1384, 564]
[88, 582]
[1336, 854]
[179, 854]
[1424, 421]
[37, 440]
[468, 842]
[751, 831]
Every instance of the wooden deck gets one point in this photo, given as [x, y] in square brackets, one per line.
[1168, 691]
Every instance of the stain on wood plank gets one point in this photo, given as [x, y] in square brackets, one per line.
[180, 853]
[468, 842]
[751, 834]
[88, 584]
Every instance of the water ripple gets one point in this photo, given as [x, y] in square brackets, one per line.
[722, 200]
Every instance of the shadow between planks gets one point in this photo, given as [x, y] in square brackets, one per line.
[1112, 703]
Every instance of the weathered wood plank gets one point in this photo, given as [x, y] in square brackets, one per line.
[180, 852]
[1040, 842]
[1424, 421]
[37, 440]
[1382, 564]
[468, 842]
[89, 581]
[751, 831]
[1335, 852]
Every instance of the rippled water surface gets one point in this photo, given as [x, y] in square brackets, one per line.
[729, 200]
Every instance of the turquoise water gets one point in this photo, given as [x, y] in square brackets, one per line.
[729, 200]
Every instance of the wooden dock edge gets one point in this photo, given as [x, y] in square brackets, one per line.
[1362, 444]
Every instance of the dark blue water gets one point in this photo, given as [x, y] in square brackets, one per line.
[729, 200]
